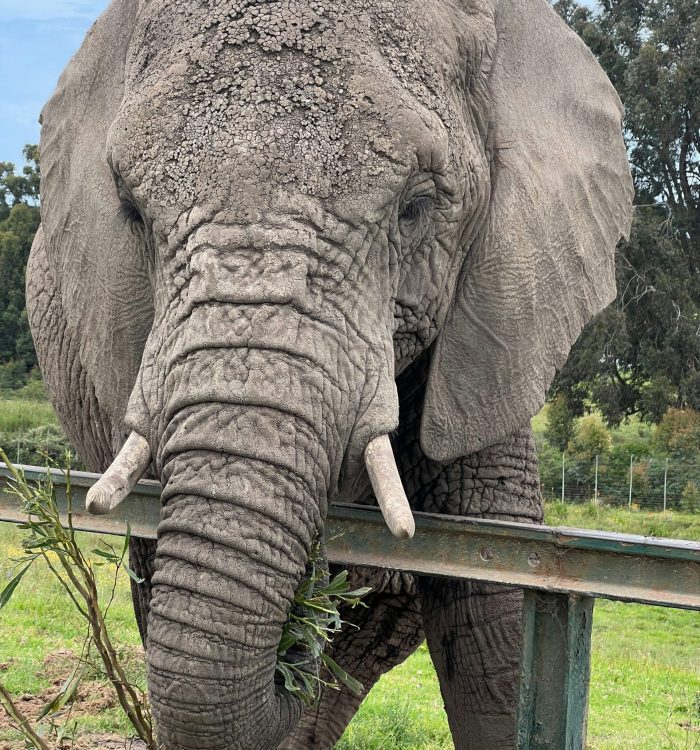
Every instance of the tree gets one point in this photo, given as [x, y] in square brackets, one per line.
[19, 220]
[560, 426]
[591, 438]
[15, 189]
[642, 354]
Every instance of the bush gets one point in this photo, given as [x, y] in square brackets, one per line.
[13, 375]
[549, 460]
[690, 497]
[39, 446]
[678, 434]
[592, 438]
[34, 389]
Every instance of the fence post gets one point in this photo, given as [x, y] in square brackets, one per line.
[563, 463]
[665, 483]
[18, 461]
[629, 504]
[595, 490]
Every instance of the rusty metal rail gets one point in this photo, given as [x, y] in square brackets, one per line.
[590, 563]
[562, 571]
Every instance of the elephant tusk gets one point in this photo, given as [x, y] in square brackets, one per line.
[117, 482]
[386, 482]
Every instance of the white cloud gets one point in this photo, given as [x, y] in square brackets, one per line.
[46, 10]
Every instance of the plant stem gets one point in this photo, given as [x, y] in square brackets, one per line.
[21, 720]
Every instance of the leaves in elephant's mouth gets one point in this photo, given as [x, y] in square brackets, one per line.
[314, 619]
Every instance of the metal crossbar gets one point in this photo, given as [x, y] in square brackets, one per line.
[562, 571]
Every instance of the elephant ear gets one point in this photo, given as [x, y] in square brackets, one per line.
[543, 265]
[88, 289]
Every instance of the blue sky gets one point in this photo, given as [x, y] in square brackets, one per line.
[37, 38]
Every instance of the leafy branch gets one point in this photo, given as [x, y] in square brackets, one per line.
[48, 540]
[313, 621]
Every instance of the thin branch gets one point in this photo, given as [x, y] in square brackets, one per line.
[20, 720]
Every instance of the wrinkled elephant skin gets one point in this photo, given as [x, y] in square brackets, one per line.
[275, 230]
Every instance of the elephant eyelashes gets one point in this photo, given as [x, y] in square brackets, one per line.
[133, 220]
[131, 216]
[416, 219]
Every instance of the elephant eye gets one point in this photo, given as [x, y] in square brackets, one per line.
[416, 218]
[130, 214]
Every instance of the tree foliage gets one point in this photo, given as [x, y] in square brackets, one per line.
[560, 425]
[591, 438]
[642, 354]
[19, 220]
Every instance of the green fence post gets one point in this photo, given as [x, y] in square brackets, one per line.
[555, 671]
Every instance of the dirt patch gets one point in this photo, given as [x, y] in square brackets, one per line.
[87, 742]
[92, 698]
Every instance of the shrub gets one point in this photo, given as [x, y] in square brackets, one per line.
[678, 434]
[592, 438]
[39, 446]
[13, 375]
[690, 497]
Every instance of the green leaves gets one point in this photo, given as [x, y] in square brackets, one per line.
[66, 693]
[7, 592]
[51, 538]
[313, 621]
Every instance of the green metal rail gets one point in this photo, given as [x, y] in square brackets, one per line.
[562, 571]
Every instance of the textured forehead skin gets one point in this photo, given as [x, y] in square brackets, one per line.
[325, 96]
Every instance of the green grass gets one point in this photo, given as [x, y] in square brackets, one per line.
[17, 416]
[645, 665]
[672, 524]
[404, 710]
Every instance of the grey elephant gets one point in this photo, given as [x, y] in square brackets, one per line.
[275, 232]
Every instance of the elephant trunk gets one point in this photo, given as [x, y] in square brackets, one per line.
[236, 530]
[249, 394]
[245, 444]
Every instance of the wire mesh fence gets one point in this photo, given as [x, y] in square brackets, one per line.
[650, 483]
[39, 446]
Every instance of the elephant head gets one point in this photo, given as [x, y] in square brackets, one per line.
[255, 215]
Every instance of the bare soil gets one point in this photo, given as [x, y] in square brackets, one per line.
[92, 698]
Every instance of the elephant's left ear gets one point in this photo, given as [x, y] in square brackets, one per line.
[544, 264]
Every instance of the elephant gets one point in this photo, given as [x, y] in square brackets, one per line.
[275, 232]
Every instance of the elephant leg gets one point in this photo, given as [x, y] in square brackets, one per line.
[473, 629]
[474, 638]
[374, 640]
[142, 554]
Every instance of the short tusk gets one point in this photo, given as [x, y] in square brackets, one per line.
[118, 481]
[384, 475]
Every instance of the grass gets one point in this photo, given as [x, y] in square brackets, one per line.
[645, 666]
[673, 524]
[17, 416]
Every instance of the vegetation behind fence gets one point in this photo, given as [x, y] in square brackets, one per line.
[650, 483]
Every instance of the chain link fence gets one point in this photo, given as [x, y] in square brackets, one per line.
[649, 483]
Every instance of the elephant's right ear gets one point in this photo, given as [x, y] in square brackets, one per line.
[561, 199]
[88, 289]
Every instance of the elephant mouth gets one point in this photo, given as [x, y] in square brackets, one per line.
[134, 458]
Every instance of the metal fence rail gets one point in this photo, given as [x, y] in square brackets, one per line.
[562, 571]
